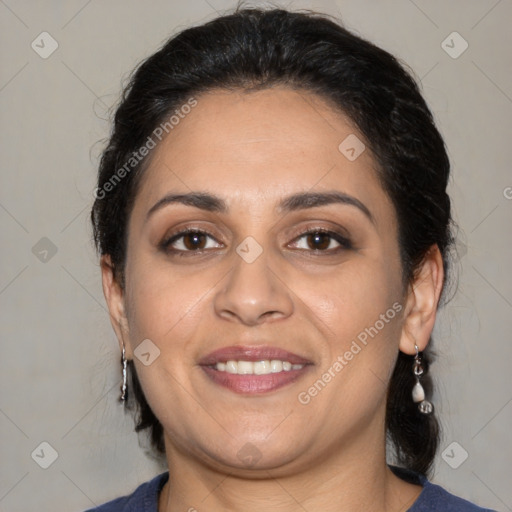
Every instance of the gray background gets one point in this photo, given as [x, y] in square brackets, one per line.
[59, 357]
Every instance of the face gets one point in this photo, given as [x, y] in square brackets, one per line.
[288, 258]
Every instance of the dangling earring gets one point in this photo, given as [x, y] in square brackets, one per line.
[418, 393]
[124, 388]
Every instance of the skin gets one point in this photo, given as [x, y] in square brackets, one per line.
[252, 150]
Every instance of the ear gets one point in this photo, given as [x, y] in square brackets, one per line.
[421, 304]
[114, 295]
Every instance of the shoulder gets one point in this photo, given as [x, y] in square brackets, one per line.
[433, 497]
[143, 499]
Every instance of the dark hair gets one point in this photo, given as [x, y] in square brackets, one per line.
[256, 49]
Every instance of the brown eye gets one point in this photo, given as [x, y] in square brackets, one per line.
[191, 240]
[318, 240]
[194, 241]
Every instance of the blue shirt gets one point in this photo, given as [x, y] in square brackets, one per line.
[432, 498]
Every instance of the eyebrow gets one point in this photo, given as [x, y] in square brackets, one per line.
[300, 201]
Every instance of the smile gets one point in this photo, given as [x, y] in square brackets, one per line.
[257, 368]
[254, 369]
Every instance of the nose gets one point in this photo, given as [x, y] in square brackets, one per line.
[253, 293]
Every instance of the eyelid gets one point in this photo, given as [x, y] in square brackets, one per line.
[168, 239]
[343, 242]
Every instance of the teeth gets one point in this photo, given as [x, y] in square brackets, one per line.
[261, 367]
[257, 368]
[231, 367]
[245, 367]
[276, 366]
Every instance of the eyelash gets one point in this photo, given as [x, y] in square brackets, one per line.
[344, 243]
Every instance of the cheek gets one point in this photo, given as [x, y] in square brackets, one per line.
[353, 298]
[361, 311]
[360, 307]
[165, 308]
[163, 302]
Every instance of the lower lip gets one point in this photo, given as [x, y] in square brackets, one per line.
[254, 384]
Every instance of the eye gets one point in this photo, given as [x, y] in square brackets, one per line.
[321, 240]
[190, 240]
[196, 240]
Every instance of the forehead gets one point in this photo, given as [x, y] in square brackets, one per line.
[265, 144]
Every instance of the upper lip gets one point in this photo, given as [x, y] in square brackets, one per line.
[251, 353]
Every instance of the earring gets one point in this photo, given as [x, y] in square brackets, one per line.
[124, 388]
[418, 393]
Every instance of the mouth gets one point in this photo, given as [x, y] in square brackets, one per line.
[254, 370]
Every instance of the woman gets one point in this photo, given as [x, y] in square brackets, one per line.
[274, 230]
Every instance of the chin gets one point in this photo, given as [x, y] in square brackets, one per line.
[251, 457]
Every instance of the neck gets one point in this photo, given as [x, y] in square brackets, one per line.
[351, 477]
